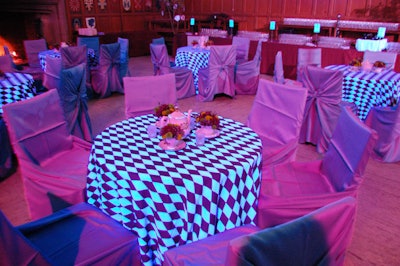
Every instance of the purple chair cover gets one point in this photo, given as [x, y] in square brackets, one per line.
[242, 45]
[143, 94]
[32, 49]
[386, 122]
[183, 76]
[318, 238]
[52, 73]
[278, 69]
[53, 162]
[306, 57]
[78, 235]
[322, 107]
[124, 56]
[6, 64]
[276, 116]
[247, 74]
[7, 164]
[106, 77]
[74, 101]
[219, 76]
[91, 42]
[290, 190]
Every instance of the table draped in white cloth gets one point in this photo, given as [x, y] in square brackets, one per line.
[193, 58]
[169, 198]
[15, 87]
[369, 88]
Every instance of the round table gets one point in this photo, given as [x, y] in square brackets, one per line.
[169, 198]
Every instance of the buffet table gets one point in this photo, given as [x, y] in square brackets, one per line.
[368, 89]
[169, 198]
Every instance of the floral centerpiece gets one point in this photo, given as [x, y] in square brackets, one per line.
[208, 119]
[356, 62]
[172, 133]
[164, 110]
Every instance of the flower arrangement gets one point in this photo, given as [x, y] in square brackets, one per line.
[208, 118]
[194, 42]
[379, 64]
[164, 110]
[172, 131]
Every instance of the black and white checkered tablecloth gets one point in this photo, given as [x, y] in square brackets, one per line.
[93, 60]
[169, 198]
[192, 58]
[369, 89]
[15, 87]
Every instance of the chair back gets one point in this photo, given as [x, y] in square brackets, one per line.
[91, 42]
[278, 69]
[32, 49]
[281, 105]
[306, 57]
[15, 249]
[160, 40]
[242, 45]
[323, 105]
[347, 156]
[159, 58]
[6, 63]
[37, 127]
[124, 55]
[318, 238]
[74, 101]
[143, 94]
[389, 58]
[73, 55]
[52, 73]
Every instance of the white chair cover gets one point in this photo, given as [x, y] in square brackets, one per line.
[52, 73]
[278, 69]
[218, 77]
[6, 64]
[306, 57]
[242, 45]
[32, 49]
[143, 94]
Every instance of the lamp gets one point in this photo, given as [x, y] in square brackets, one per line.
[231, 25]
[192, 24]
[272, 30]
[317, 30]
[381, 33]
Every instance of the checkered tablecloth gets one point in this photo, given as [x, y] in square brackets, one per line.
[369, 89]
[15, 87]
[192, 58]
[169, 198]
[93, 60]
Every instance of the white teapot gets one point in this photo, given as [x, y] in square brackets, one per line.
[178, 118]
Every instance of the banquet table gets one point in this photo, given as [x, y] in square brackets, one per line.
[13, 87]
[368, 89]
[169, 198]
[193, 58]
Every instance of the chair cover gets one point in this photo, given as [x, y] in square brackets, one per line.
[106, 78]
[290, 190]
[7, 164]
[276, 116]
[318, 238]
[124, 56]
[53, 163]
[52, 73]
[160, 40]
[183, 76]
[6, 64]
[308, 56]
[242, 45]
[93, 43]
[143, 94]
[389, 58]
[218, 77]
[32, 49]
[78, 235]
[386, 122]
[74, 101]
[278, 69]
[322, 106]
[247, 74]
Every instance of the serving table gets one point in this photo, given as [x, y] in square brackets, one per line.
[369, 88]
[193, 58]
[169, 198]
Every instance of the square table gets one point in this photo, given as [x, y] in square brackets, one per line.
[169, 198]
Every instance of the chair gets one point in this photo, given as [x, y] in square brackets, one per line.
[306, 57]
[91, 42]
[242, 45]
[124, 50]
[393, 47]
[278, 69]
[74, 101]
[183, 76]
[53, 162]
[143, 94]
[389, 58]
[317, 238]
[386, 122]
[290, 190]
[78, 235]
[159, 40]
[106, 78]
[247, 74]
[322, 107]
[6, 64]
[52, 73]
[32, 49]
[218, 77]
[281, 106]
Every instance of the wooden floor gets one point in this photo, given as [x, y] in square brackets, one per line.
[376, 238]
